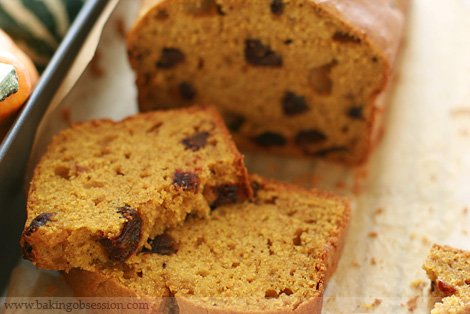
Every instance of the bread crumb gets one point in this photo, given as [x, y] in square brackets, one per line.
[373, 234]
[370, 306]
[95, 69]
[460, 111]
[340, 185]
[465, 210]
[356, 264]
[66, 116]
[357, 189]
[373, 261]
[426, 241]
[412, 304]
[121, 28]
[378, 211]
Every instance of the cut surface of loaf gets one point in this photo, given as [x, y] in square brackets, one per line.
[449, 271]
[273, 254]
[291, 77]
[103, 187]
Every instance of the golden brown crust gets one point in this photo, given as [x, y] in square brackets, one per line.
[311, 306]
[96, 285]
[88, 284]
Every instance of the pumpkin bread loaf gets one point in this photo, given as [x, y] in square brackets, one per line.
[273, 254]
[103, 187]
[296, 77]
[449, 271]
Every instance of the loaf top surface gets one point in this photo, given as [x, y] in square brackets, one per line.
[104, 187]
[381, 21]
[273, 253]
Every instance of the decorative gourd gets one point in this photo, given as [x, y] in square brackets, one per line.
[38, 26]
[18, 77]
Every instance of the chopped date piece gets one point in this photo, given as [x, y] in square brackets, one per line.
[120, 247]
[203, 8]
[163, 244]
[277, 7]
[162, 15]
[309, 137]
[287, 291]
[255, 187]
[268, 139]
[260, 55]
[445, 287]
[188, 181]
[356, 112]
[234, 121]
[271, 294]
[226, 194]
[39, 221]
[220, 10]
[27, 250]
[327, 151]
[196, 142]
[169, 58]
[187, 91]
[293, 104]
[344, 37]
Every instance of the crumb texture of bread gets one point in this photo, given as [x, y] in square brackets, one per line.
[449, 271]
[273, 254]
[103, 187]
[289, 77]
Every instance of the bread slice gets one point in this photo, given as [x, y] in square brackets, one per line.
[449, 271]
[103, 187]
[273, 254]
[290, 77]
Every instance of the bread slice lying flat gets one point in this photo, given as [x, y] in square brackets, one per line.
[103, 187]
[273, 254]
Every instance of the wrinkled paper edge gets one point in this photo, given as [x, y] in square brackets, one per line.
[83, 59]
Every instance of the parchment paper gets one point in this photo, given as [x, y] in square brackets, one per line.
[414, 191]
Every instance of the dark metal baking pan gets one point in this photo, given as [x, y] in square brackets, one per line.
[16, 147]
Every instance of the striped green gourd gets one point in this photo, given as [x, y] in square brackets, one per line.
[38, 26]
[8, 81]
